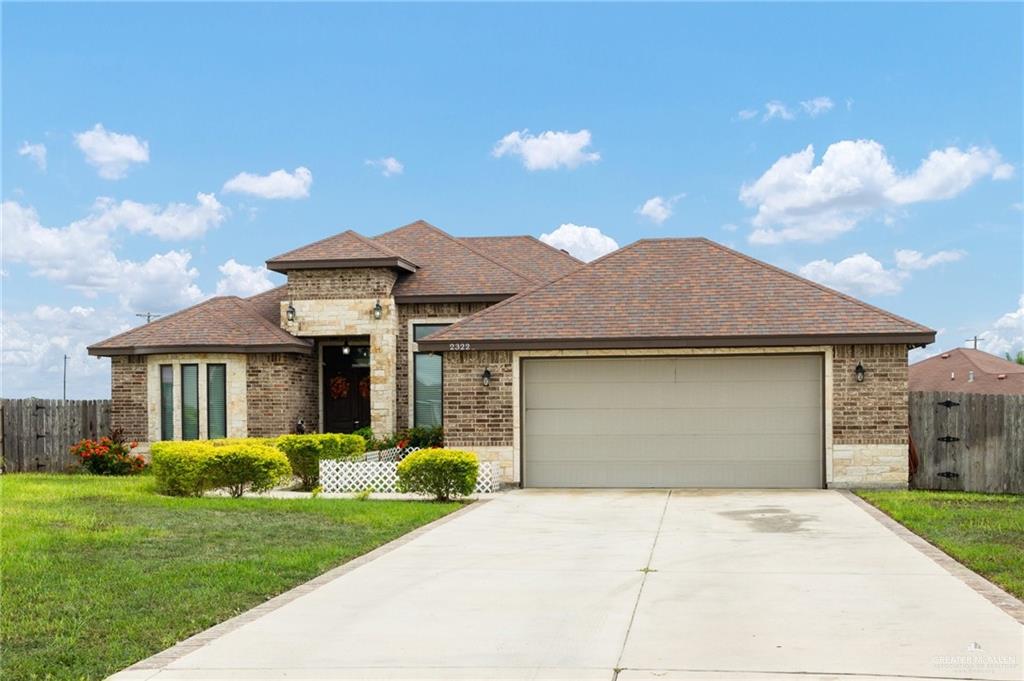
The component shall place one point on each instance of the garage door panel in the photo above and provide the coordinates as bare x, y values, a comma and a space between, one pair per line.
716, 421
671, 421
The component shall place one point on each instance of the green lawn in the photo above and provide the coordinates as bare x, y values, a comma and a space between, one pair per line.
98, 573
985, 532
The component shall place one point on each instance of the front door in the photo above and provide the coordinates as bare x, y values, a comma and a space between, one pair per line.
346, 377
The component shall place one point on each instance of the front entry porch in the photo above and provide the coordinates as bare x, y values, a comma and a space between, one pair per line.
344, 385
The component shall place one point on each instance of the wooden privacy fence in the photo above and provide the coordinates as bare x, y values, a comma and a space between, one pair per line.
38, 433
968, 442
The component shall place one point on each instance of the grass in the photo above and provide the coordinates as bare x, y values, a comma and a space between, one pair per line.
985, 532
98, 573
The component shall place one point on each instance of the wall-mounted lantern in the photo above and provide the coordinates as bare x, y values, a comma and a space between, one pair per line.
378, 311
486, 378
291, 313
346, 348
858, 373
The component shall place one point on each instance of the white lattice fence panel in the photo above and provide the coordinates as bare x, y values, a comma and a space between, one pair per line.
382, 476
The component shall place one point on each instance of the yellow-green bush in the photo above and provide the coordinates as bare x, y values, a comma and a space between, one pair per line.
247, 466
305, 452
194, 467
180, 467
443, 473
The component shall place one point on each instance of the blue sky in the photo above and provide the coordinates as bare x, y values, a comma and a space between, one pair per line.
875, 148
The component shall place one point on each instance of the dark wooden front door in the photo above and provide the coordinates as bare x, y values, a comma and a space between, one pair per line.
346, 388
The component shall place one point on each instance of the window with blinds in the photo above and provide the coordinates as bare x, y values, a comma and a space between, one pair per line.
216, 401
427, 405
166, 402
189, 401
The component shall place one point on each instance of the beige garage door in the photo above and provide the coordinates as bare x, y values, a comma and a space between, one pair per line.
739, 421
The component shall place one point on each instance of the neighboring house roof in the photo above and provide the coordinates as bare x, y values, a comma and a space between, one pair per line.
678, 293
221, 324
347, 249
450, 268
952, 372
526, 254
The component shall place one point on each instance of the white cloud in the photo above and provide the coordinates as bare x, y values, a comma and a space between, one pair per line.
389, 165
111, 153
279, 184
658, 209
797, 200
35, 152
243, 280
81, 256
915, 260
175, 221
548, 150
863, 275
1007, 333
586, 243
746, 114
817, 106
859, 273
776, 109
32, 355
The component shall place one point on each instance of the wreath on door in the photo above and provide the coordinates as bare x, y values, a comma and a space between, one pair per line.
339, 388
364, 387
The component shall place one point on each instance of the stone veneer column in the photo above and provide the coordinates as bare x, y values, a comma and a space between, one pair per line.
383, 389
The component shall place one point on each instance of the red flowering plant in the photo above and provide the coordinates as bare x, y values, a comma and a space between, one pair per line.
109, 455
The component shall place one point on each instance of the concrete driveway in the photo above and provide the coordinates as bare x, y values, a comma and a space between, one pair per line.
630, 585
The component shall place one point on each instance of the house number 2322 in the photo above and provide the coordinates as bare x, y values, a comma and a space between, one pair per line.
458, 347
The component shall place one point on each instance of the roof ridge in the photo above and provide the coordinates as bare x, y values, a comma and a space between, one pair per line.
815, 284
362, 239
459, 241
557, 250
263, 293
539, 287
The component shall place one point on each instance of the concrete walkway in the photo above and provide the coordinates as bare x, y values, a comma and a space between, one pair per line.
630, 585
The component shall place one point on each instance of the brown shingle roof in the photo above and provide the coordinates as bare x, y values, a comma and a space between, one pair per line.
347, 249
268, 303
951, 372
527, 255
678, 293
221, 324
449, 267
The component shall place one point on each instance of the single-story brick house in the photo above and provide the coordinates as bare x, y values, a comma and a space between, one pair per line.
668, 363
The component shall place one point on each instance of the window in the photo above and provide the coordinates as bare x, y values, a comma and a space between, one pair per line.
216, 401
427, 380
189, 401
166, 402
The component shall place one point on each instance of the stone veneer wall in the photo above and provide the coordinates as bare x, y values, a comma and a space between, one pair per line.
282, 388
870, 419
128, 395
418, 311
365, 282
237, 416
479, 418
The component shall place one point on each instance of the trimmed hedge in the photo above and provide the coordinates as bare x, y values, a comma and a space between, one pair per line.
443, 473
237, 465
305, 452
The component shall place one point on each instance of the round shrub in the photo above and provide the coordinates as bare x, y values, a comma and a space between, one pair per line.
179, 468
192, 468
109, 456
443, 473
246, 466
304, 452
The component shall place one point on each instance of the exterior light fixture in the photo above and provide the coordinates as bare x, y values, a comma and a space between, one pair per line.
346, 349
858, 373
486, 378
291, 313
378, 311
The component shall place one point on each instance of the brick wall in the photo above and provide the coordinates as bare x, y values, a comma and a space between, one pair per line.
875, 411
475, 415
281, 389
420, 311
367, 282
128, 396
